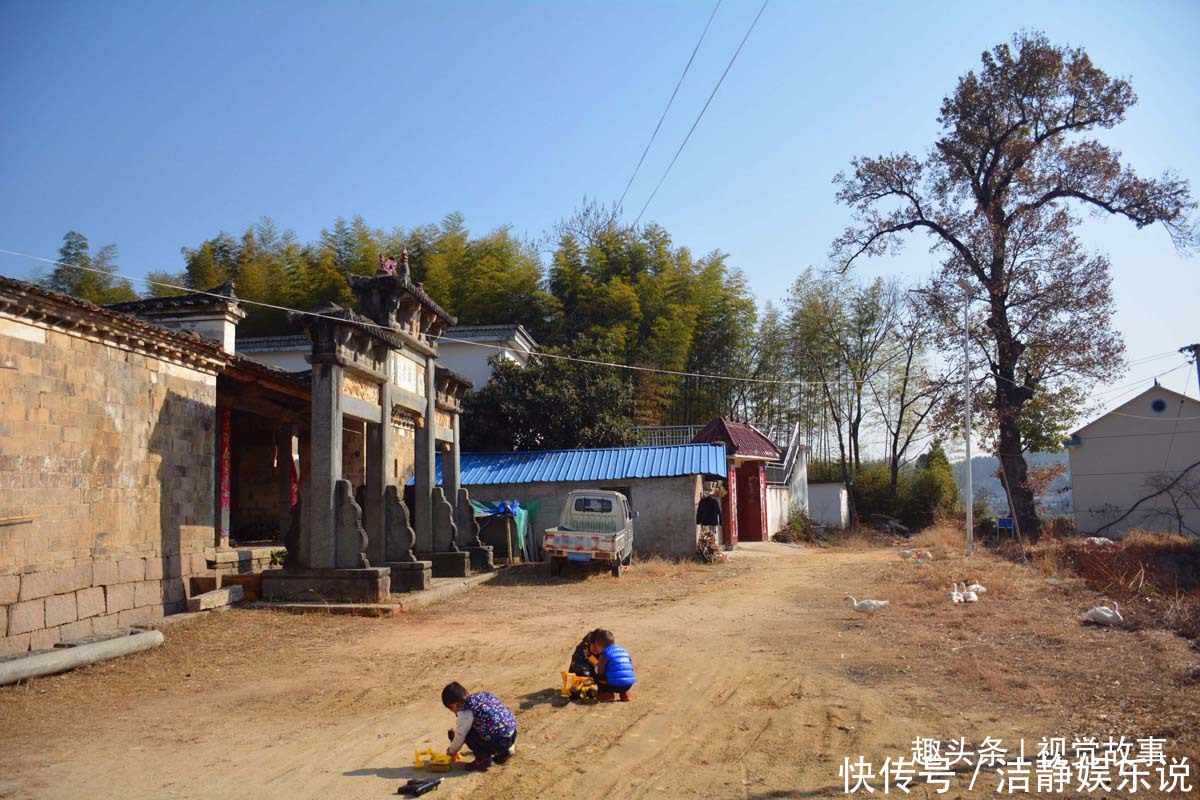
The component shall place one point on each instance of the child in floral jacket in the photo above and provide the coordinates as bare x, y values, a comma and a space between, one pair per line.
483, 723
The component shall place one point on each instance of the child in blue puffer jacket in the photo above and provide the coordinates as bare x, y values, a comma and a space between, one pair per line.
614, 672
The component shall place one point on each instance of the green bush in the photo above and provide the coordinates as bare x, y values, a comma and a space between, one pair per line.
931, 491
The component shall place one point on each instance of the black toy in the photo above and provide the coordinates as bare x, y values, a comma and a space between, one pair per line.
419, 786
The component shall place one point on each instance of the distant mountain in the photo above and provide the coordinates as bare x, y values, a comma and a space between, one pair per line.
986, 484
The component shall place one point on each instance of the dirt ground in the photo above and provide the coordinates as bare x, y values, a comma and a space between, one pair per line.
755, 681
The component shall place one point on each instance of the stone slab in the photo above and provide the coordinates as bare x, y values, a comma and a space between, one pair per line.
90, 602
37, 584
26, 617
217, 597
14, 645
205, 583
442, 590
131, 569
10, 589
44, 639
452, 564
60, 609
369, 585
410, 576
118, 597
105, 573
481, 557
251, 584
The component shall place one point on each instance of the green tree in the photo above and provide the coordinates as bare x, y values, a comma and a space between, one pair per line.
931, 490
550, 404
86, 276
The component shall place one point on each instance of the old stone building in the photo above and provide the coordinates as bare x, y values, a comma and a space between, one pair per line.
137, 451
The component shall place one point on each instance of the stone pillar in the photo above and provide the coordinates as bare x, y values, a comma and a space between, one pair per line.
426, 477
379, 456
450, 479
285, 446
452, 486
224, 475
326, 467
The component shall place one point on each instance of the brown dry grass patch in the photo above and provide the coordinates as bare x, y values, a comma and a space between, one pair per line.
1024, 647
1155, 576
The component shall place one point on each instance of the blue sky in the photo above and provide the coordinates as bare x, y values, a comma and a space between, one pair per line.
155, 125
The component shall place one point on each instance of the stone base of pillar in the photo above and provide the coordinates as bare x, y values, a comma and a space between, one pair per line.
410, 576
450, 564
369, 585
481, 558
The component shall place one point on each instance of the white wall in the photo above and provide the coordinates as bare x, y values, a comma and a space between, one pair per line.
288, 360
1117, 455
471, 361
829, 504
779, 504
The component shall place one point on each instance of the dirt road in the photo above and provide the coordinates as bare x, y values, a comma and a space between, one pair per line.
755, 680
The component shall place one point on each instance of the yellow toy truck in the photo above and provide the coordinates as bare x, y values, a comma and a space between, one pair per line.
578, 687
433, 761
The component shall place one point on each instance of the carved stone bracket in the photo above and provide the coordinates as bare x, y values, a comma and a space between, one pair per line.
400, 538
444, 529
350, 540
468, 527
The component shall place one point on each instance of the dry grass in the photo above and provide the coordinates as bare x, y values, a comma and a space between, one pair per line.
1156, 576
942, 540
859, 538
1025, 648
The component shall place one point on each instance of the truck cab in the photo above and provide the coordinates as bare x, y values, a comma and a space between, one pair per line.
595, 526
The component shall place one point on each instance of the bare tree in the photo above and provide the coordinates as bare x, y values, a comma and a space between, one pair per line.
914, 390
996, 193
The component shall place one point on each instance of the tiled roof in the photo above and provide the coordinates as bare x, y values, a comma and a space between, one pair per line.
270, 344
489, 333
743, 438
590, 464
203, 299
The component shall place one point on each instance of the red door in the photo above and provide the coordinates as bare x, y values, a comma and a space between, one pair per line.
750, 504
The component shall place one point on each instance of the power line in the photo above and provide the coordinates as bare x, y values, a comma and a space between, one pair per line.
669, 102
702, 110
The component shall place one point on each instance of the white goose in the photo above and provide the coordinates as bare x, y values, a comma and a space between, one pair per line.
968, 595
1103, 615
955, 596
907, 554
868, 607
975, 586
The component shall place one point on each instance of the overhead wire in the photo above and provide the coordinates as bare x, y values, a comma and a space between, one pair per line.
669, 102
444, 338
115, 273
700, 116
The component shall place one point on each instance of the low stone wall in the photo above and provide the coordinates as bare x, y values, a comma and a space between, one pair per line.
40, 609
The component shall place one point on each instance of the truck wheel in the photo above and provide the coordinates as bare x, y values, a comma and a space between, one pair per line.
556, 565
616, 568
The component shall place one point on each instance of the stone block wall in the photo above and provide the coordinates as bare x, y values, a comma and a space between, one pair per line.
39, 609
107, 459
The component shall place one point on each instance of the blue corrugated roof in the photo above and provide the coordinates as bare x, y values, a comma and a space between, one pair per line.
592, 464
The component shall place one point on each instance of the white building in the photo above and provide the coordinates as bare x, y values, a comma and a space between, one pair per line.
1130, 453
464, 350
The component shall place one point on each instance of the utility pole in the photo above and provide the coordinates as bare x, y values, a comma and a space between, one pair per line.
1194, 349
966, 287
